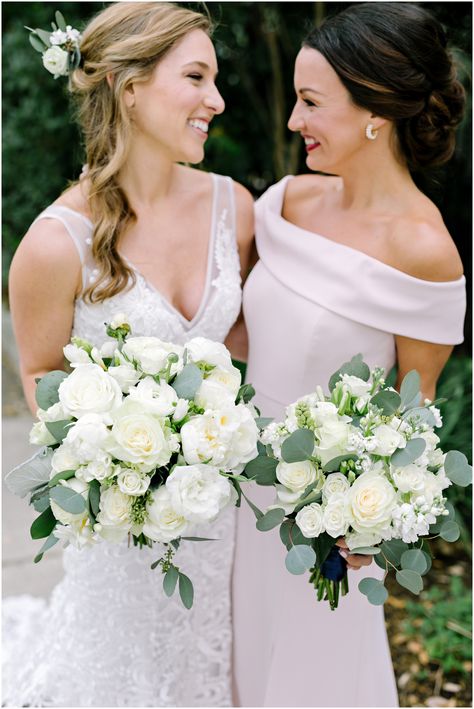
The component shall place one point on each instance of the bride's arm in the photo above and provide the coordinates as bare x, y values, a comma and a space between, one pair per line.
45, 277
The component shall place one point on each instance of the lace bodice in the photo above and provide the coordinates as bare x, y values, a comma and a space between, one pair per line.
109, 636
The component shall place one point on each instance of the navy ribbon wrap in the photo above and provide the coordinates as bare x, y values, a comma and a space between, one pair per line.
335, 566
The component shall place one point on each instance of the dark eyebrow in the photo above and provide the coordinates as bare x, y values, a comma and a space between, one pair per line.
311, 91
201, 64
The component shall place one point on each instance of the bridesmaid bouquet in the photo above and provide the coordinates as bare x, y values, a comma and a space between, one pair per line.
362, 464
143, 439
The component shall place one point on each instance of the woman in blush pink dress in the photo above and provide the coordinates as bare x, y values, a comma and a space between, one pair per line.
353, 260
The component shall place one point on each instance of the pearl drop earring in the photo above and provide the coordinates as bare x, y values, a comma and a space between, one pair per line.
370, 133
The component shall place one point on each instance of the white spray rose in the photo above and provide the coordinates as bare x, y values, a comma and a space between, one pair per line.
372, 499
152, 354
336, 515
40, 436
387, 440
310, 520
198, 492
297, 476
88, 389
68, 517
410, 478
132, 482
114, 514
335, 483
200, 349
163, 522
55, 60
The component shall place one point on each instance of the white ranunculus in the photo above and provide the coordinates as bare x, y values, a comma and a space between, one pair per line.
68, 517
132, 482
410, 478
335, 515
297, 476
89, 390
40, 436
163, 522
63, 459
332, 438
354, 540
139, 438
200, 349
119, 320
159, 399
55, 60
98, 469
219, 389
355, 385
125, 375
335, 483
76, 355
310, 520
151, 354
198, 492
87, 437
372, 499
387, 440
54, 413
114, 514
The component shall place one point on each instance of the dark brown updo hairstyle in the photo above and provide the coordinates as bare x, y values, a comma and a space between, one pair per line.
393, 60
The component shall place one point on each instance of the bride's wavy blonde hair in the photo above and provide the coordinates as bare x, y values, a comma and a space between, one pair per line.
124, 41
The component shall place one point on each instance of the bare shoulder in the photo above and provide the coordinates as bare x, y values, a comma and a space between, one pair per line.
244, 209
75, 197
303, 191
422, 247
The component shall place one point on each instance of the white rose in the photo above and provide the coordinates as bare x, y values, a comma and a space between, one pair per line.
54, 413
76, 355
139, 438
198, 492
387, 440
297, 476
159, 399
371, 501
286, 499
332, 438
410, 478
310, 520
163, 522
132, 482
55, 60
201, 349
355, 385
87, 437
354, 540
63, 459
125, 375
335, 515
40, 436
335, 483
88, 389
219, 389
114, 514
68, 517
152, 354
98, 469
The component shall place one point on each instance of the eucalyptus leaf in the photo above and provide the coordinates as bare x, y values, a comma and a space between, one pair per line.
37, 44
199, 539
94, 497
65, 475
170, 580
375, 591
457, 468
366, 550
245, 393
188, 381
388, 401
333, 465
262, 469
60, 21
59, 429
272, 518
393, 550
414, 560
47, 388
44, 36
40, 500
186, 590
367, 584
299, 559
404, 456
263, 421
50, 542
356, 368
420, 415
450, 531
285, 530
298, 446
410, 389
410, 580
258, 513
31, 474
428, 562
43, 525
68, 499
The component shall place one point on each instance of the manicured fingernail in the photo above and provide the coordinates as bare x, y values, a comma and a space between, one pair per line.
343, 553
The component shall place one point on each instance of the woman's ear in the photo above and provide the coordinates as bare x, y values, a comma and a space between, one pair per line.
377, 121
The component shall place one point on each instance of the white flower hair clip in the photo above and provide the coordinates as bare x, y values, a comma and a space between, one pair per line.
59, 48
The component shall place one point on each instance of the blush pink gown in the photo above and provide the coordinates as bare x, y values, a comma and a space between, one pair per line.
310, 304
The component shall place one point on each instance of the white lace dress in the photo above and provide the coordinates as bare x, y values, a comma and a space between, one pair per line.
109, 636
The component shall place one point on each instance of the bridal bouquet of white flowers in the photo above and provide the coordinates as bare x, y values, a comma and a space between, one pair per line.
362, 464
144, 439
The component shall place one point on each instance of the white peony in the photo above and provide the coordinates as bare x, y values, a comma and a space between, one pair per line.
200, 349
355, 385
335, 483
68, 517
88, 389
132, 482
335, 515
87, 437
372, 499
113, 520
198, 492
125, 375
151, 354
410, 478
163, 522
387, 440
40, 436
310, 520
297, 476
56, 61
219, 389
159, 399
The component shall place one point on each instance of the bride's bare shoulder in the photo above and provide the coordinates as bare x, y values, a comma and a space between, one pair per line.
75, 197
304, 189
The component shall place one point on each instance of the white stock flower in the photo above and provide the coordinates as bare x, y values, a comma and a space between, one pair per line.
310, 520
56, 60
200, 349
87, 390
87, 437
63, 459
335, 483
219, 389
362, 539
372, 499
113, 520
40, 436
297, 476
98, 469
139, 438
410, 478
198, 492
335, 515
151, 354
387, 440
132, 482
163, 522
76, 355
356, 386
68, 517
159, 399
125, 375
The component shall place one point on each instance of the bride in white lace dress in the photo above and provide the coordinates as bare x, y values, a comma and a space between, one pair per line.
160, 242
